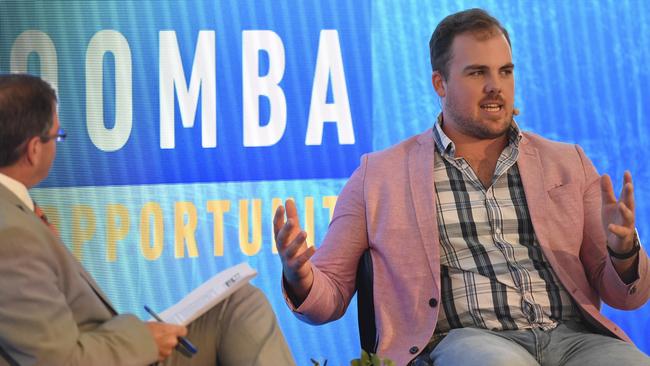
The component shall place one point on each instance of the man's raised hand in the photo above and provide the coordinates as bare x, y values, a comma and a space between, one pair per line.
294, 252
618, 215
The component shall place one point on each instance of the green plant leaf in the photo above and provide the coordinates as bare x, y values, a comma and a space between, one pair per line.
365, 358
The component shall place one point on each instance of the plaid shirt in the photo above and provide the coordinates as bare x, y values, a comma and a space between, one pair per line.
494, 274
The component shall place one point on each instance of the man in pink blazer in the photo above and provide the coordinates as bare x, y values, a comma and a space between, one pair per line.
490, 246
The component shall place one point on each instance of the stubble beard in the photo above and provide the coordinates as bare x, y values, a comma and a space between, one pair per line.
473, 127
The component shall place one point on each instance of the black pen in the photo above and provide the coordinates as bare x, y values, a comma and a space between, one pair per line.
185, 347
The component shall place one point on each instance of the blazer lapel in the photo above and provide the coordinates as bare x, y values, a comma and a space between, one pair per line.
533, 180
420, 165
6, 194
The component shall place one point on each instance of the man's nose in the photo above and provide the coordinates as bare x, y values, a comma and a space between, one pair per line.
492, 85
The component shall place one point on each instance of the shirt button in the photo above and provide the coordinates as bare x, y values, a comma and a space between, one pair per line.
433, 302
413, 350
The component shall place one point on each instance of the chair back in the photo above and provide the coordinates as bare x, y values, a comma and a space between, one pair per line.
366, 304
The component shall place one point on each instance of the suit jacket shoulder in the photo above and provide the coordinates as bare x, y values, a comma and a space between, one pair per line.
51, 314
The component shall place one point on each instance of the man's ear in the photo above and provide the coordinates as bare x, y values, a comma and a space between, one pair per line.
33, 150
438, 82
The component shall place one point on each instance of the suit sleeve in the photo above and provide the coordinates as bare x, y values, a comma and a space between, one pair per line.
37, 326
598, 266
335, 262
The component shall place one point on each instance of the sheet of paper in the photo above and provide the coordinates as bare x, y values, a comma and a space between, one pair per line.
208, 294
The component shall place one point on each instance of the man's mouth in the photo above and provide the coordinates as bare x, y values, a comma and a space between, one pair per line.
492, 107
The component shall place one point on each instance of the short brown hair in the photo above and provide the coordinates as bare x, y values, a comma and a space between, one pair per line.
471, 20
26, 109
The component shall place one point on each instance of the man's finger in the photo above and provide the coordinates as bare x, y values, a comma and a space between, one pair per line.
627, 214
627, 177
627, 195
282, 239
627, 181
182, 331
172, 341
292, 211
607, 189
278, 220
620, 231
305, 256
295, 245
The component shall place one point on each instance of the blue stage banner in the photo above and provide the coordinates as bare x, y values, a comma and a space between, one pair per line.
200, 91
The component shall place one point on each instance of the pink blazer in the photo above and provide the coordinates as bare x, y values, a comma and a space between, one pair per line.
388, 206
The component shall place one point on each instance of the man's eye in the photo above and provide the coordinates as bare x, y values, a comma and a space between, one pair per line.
506, 72
476, 73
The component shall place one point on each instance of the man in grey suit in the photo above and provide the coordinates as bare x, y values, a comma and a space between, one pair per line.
51, 310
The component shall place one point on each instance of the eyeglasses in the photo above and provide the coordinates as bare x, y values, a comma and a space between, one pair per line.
58, 137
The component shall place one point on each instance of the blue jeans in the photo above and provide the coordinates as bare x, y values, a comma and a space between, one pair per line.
570, 344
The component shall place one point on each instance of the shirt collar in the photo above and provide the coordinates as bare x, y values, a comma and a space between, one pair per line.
447, 147
18, 189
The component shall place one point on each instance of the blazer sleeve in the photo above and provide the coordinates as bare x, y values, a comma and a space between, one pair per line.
598, 266
37, 326
335, 263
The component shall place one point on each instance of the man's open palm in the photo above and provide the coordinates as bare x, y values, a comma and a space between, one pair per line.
618, 215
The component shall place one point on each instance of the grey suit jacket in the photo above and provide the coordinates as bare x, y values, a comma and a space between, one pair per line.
51, 310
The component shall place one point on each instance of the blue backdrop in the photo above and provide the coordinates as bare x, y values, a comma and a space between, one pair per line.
190, 121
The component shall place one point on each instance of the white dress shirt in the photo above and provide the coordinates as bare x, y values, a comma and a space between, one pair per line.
18, 189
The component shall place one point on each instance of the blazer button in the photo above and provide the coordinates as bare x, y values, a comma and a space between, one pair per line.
413, 350
433, 302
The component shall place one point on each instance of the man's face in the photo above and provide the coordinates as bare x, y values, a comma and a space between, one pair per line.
48, 149
479, 89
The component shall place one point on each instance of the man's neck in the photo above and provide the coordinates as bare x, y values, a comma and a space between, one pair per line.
18, 173
481, 154
479, 150
470, 147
